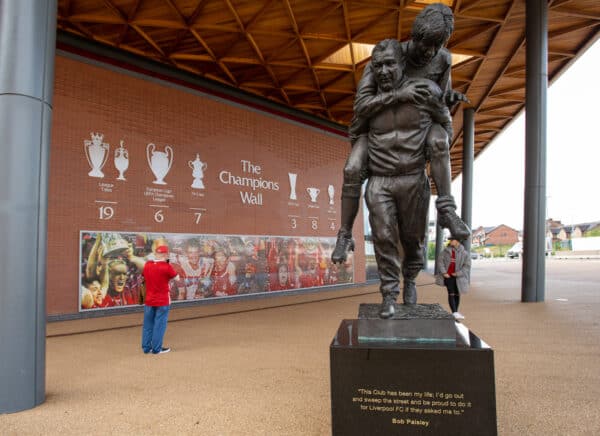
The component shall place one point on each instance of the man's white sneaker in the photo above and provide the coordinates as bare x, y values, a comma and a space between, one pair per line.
458, 315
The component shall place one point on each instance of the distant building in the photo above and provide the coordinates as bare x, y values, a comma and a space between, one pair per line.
560, 232
431, 229
577, 231
585, 229
498, 235
561, 235
557, 231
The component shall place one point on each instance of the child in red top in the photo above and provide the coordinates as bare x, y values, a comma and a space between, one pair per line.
454, 271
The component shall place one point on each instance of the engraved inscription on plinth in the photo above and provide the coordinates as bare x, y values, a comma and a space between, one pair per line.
405, 388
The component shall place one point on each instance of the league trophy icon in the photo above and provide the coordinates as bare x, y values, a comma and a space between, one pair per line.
198, 168
160, 162
96, 153
292, 178
314, 193
121, 161
330, 192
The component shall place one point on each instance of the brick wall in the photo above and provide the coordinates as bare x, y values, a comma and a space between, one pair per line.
235, 143
502, 235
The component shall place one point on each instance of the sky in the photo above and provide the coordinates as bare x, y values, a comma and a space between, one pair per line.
573, 156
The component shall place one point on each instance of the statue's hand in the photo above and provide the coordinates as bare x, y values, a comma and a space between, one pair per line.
452, 97
414, 93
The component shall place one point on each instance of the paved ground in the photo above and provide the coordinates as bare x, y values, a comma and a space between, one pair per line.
266, 372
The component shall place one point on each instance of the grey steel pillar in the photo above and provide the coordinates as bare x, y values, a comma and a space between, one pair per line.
467, 170
27, 48
439, 242
534, 261
426, 246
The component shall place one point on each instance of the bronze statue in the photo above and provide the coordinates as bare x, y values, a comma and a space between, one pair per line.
401, 122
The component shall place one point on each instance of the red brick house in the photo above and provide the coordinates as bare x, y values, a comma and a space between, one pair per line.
499, 235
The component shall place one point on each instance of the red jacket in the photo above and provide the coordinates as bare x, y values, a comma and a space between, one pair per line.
157, 276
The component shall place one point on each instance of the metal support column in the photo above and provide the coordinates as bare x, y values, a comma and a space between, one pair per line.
27, 48
439, 244
534, 261
467, 170
426, 247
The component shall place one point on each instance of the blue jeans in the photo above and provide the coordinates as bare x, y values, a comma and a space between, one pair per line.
155, 325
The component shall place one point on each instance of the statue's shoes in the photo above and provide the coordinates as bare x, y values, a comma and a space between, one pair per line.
409, 292
387, 307
343, 245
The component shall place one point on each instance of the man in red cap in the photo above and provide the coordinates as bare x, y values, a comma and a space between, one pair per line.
157, 274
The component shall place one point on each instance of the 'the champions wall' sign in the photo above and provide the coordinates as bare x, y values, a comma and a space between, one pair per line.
209, 266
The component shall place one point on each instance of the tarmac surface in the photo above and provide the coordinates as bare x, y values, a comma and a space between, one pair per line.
265, 371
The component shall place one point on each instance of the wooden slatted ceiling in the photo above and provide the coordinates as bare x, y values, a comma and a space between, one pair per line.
306, 54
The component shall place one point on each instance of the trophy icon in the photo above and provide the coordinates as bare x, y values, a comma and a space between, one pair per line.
198, 168
314, 193
114, 245
160, 162
330, 192
292, 178
121, 161
96, 153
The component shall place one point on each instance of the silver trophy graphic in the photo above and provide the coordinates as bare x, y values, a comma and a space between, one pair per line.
331, 192
114, 245
198, 168
313, 193
160, 162
292, 178
96, 153
121, 161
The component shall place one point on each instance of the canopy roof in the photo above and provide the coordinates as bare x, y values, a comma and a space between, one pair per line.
309, 54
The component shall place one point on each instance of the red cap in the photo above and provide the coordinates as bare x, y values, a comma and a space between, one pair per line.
162, 249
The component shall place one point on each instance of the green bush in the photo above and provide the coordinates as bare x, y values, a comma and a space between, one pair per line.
492, 250
591, 233
431, 251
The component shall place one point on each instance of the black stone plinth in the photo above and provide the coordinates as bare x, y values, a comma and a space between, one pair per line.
410, 389
419, 324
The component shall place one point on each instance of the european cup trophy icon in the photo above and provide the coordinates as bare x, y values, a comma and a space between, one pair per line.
292, 178
96, 153
121, 161
160, 162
